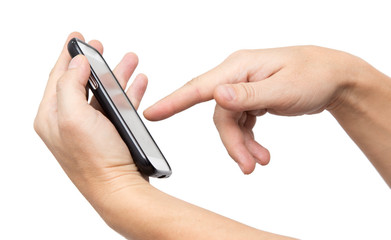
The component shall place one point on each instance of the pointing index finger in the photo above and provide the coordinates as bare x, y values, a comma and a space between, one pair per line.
199, 89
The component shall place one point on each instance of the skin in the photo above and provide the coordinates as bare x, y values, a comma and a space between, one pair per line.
290, 81
249, 83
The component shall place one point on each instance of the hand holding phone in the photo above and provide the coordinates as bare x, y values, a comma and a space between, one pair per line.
118, 108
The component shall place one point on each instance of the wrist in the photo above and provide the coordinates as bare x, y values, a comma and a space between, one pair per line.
106, 191
136, 211
116, 204
355, 81
363, 110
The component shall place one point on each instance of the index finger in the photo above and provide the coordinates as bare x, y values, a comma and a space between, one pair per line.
199, 89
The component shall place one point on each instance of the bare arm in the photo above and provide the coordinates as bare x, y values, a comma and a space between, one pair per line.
147, 213
364, 111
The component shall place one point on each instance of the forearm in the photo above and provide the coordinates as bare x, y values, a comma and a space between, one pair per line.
147, 213
364, 111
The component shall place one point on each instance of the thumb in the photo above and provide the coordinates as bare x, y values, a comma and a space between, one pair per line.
247, 96
71, 87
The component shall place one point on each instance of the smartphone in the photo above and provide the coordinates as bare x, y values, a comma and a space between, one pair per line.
118, 108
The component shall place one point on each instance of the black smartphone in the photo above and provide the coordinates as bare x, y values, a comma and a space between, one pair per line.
118, 108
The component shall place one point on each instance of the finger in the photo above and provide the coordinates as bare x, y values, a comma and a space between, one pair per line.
233, 138
137, 89
124, 70
71, 87
249, 96
97, 45
198, 90
259, 153
59, 68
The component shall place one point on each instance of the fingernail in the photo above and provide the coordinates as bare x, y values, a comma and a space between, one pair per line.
75, 62
228, 93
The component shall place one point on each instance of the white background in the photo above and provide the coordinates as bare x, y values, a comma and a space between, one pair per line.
318, 184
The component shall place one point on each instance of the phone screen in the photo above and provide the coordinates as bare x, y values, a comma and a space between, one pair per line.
124, 107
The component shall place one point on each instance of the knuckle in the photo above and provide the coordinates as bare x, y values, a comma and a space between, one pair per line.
311, 48
38, 124
192, 84
307, 52
239, 57
41, 120
238, 54
246, 92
